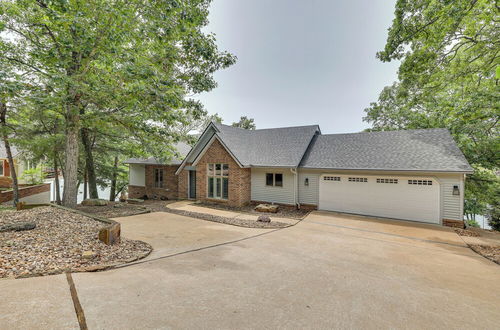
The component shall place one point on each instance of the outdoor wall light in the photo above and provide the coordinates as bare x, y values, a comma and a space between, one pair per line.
306, 182
456, 191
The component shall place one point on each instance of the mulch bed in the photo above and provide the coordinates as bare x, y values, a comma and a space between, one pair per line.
57, 243
487, 251
283, 211
231, 221
116, 209
124, 209
465, 232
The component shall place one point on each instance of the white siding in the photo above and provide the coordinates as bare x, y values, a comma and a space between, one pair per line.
137, 175
261, 192
308, 194
452, 207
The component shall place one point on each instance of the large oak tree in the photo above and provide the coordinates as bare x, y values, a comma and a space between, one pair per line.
126, 66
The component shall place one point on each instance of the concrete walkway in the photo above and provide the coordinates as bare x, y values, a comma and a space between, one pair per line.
191, 206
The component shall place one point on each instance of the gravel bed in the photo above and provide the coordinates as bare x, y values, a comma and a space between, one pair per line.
125, 209
57, 243
283, 211
230, 221
115, 209
465, 232
487, 251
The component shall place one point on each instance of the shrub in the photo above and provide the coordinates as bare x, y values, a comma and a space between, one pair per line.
33, 176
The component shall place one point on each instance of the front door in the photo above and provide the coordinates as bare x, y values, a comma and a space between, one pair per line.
192, 184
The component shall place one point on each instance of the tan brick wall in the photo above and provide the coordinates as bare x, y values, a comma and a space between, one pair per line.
239, 178
453, 223
136, 191
183, 178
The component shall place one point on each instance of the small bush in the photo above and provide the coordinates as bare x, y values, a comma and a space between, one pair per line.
33, 176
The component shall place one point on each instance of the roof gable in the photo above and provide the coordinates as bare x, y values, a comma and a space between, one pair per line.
281, 147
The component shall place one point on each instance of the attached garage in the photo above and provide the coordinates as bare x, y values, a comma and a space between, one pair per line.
399, 197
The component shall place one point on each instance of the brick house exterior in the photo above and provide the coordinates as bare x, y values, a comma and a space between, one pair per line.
183, 184
239, 178
301, 167
169, 190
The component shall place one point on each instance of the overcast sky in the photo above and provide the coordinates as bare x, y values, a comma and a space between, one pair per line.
300, 62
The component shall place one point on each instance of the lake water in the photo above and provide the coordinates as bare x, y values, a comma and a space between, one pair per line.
103, 193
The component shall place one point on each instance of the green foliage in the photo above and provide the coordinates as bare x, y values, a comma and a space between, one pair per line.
493, 213
245, 122
472, 223
33, 176
447, 78
123, 71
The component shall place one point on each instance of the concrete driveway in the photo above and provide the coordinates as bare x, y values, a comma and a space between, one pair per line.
328, 271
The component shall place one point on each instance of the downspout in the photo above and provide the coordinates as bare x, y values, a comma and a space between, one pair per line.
296, 187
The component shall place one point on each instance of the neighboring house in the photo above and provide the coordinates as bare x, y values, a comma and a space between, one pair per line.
5, 172
30, 194
412, 175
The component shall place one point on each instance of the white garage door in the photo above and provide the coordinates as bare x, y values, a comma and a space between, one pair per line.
409, 198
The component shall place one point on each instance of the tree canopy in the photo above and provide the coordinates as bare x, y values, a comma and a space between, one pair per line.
448, 77
245, 122
105, 75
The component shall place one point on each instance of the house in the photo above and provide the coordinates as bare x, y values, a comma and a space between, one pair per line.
413, 175
154, 178
5, 172
28, 193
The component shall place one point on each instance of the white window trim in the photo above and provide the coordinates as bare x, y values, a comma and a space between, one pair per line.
162, 178
222, 177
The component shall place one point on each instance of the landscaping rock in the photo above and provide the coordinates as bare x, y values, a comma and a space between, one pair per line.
264, 218
95, 202
135, 201
57, 244
267, 208
88, 255
17, 226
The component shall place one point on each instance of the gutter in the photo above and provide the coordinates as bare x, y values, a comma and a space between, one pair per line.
296, 187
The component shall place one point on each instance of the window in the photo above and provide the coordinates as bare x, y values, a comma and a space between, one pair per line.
269, 179
331, 178
218, 181
395, 181
274, 179
158, 178
358, 179
420, 182
1, 167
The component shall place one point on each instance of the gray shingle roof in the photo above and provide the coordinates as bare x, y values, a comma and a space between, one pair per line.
181, 147
418, 150
282, 147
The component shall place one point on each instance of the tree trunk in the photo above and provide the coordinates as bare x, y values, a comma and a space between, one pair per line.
56, 180
89, 164
112, 192
70, 192
85, 194
5, 136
